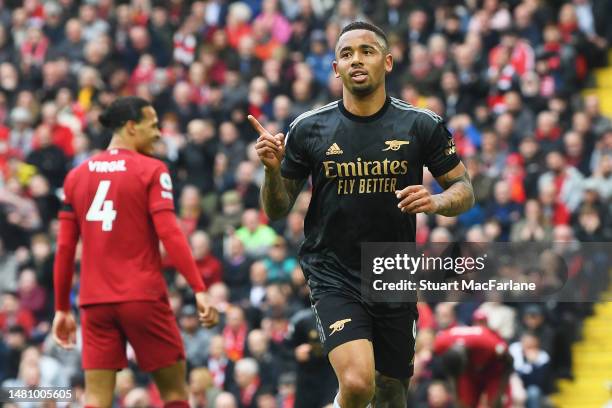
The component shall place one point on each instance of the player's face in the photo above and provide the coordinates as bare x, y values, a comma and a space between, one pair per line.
361, 62
147, 131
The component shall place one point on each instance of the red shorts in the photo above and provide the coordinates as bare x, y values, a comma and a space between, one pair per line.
472, 386
149, 326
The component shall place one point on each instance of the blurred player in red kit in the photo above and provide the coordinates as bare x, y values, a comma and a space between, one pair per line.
477, 361
120, 203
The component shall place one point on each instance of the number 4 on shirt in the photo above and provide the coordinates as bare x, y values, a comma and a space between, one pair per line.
101, 209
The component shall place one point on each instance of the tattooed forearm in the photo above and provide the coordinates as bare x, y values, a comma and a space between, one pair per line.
458, 195
278, 194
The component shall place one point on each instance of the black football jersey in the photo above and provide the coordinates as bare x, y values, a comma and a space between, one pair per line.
357, 164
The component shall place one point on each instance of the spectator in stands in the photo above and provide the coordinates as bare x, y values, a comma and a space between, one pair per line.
22, 135
195, 338
533, 321
196, 159
504, 209
48, 158
221, 368
209, 266
256, 237
278, 263
8, 270
6, 46
533, 227
15, 338
566, 179
12, 313
575, 151
533, 366
47, 203
42, 260
235, 333
230, 217
231, 145
497, 316
225, 400
320, 57
244, 184
258, 276
268, 363
202, 392
248, 383
492, 155
236, 266
191, 214
438, 395
445, 315
294, 232
32, 296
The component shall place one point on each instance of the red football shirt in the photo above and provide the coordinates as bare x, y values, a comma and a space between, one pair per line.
112, 196
483, 345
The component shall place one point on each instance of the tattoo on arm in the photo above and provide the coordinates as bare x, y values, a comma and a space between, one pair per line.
458, 195
278, 194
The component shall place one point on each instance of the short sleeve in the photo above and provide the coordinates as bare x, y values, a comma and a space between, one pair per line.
160, 190
440, 152
67, 208
295, 163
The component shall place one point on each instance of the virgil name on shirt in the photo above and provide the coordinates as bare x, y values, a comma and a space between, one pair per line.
357, 163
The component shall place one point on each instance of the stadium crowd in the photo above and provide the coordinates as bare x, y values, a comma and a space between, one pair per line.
506, 76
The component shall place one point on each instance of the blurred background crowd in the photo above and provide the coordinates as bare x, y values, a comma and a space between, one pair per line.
505, 75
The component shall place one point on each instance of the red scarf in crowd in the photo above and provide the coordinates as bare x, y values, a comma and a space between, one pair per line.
235, 341
247, 394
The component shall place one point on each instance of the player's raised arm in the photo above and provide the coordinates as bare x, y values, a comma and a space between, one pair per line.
278, 194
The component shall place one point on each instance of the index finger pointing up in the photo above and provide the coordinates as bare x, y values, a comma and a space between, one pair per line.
255, 123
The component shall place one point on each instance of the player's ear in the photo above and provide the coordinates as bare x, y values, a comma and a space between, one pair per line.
335, 68
388, 63
130, 127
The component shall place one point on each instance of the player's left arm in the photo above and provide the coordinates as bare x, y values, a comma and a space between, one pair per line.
458, 194
440, 156
457, 197
64, 324
161, 210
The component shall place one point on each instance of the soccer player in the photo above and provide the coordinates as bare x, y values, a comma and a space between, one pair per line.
366, 154
120, 203
478, 362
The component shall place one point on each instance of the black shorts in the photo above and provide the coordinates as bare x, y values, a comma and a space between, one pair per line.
392, 331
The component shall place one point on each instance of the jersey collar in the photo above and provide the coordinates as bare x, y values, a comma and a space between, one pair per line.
364, 119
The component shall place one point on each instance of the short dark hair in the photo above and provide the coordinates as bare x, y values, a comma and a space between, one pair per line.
121, 110
364, 25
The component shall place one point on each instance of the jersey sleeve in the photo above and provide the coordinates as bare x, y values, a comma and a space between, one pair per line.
160, 190
295, 163
440, 152
67, 208
68, 237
